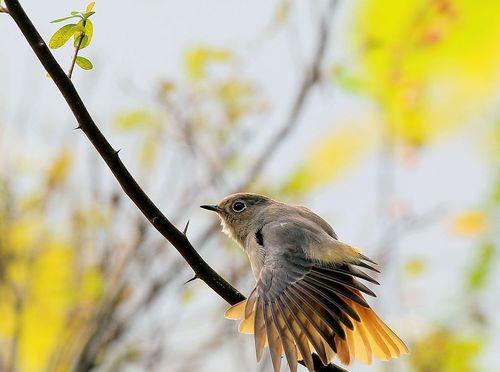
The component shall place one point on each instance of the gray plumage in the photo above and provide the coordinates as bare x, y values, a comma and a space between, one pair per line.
307, 297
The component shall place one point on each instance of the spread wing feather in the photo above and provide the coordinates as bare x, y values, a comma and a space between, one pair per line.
296, 331
300, 306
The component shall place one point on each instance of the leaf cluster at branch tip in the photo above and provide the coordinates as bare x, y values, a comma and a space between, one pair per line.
81, 32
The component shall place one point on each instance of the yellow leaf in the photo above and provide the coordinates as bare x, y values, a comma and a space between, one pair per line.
148, 152
470, 223
32, 202
414, 267
187, 295
56, 293
59, 169
7, 314
197, 59
22, 235
282, 12
447, 350
330, 156
47, 301
233, 89
92, 285
235, 96
137, 118
90, 7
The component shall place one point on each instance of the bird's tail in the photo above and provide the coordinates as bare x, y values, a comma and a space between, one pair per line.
369, 336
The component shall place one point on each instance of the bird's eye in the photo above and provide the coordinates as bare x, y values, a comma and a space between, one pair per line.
239, 206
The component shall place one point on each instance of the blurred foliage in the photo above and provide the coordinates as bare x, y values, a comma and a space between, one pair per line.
328, 158
482, 266
47, 290
429, 63
148, 123
221, 103
415, 267
470, 223
198, 59
445, 350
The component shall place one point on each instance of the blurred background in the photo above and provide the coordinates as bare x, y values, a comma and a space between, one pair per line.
381, 116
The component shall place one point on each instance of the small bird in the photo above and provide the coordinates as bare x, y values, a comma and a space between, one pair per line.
308, 297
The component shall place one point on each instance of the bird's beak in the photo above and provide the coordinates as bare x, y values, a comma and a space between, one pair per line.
214, 208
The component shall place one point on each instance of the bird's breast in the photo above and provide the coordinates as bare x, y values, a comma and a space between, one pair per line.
256, 255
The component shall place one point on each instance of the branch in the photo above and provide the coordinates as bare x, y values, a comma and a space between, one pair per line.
112, 159
129, 185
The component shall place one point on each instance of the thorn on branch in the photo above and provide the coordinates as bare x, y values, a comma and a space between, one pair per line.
186, 228
78, 127
193, 278
117, 152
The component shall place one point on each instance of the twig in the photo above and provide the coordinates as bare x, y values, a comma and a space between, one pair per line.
121, 173
77, 49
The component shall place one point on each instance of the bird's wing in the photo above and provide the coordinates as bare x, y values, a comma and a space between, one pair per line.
302, 305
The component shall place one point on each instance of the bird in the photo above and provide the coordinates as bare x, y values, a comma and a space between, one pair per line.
309, 295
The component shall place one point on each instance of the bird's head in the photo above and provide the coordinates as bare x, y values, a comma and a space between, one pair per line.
239, 213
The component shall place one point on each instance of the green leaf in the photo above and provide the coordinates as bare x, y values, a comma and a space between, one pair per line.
65, 18
74, 12
87, 38
88, 15
482, 267
61, 36
84, 63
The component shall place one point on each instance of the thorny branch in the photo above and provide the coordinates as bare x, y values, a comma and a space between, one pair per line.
112, 159
121, 173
